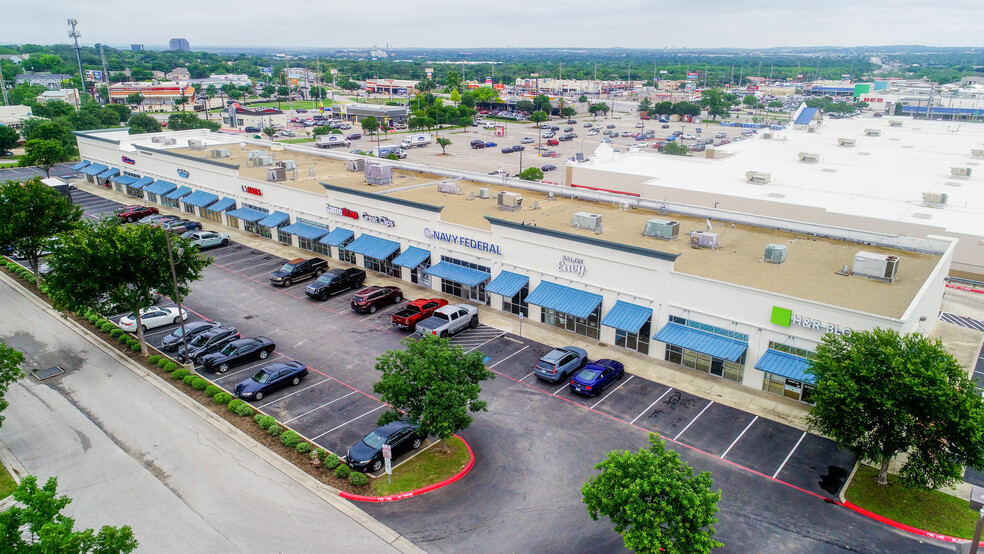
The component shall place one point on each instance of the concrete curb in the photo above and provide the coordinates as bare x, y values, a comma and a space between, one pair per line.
326, 493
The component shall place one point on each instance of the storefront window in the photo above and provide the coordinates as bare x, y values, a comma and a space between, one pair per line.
314, 246
635, 341
189, 209
212, 215
232, 221
137, 193
151, 197
588, 327
517, 304
285, 238
386, 266
169, 202
789, 388
344, 254
732, 371
476, 293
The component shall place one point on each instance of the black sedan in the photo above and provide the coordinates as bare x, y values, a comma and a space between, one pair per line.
237, 352
367, 454
208, 341
548, 167
271, 378
171, 342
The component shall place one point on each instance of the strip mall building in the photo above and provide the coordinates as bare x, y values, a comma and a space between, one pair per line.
743, 302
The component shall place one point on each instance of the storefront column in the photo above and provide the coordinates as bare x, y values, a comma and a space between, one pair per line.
405, 273
607, 334
436, 283
535, 312
495, 301
360, 261
753, 377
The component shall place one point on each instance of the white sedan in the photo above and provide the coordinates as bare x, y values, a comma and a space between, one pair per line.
151, 318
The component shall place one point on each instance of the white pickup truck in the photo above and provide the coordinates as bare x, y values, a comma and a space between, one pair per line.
448, 320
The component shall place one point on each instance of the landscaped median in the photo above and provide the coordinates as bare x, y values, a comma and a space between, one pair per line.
427, 470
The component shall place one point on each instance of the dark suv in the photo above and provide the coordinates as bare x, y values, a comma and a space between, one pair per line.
371, 299
207, 342
335, 281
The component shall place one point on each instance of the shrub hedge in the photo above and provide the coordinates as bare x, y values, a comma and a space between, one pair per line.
245, 410
155, 359
212, 390
116, 333
332, 460
290, 439
303, 447
265, 421
222, 398
107, 326
199, 383
358, 479
342, 471
179, 373
234, 404
190, 378
135, 346
274, 430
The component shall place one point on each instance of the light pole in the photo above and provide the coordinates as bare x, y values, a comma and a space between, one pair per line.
521, 159
177, 294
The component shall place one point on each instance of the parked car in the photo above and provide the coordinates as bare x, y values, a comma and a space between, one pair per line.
499, 173
610, 126
417, 311
478, 144
588, 125
287, 133
207, 342
491, 144
151, 318
334, 281
597, 376
181, 226
271, 378
664, 126
162, 220
572, 122
720, 134
509, 150
172, 342
206, 239
237, 352
558, 364
354, 136
550, 154
367, 454
449, 320
130, 214
527, 140
568, 129
553, 142
252, 129
297, 270
640, 125
548, 167
371, 299
549, 135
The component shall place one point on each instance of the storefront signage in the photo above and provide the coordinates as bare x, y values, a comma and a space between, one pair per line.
130, 161
343, 212
183, 173
786, 318
872, 99
571, 264
467, 242
379, 219
252, 190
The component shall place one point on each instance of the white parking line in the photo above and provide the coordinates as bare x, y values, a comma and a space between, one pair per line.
613, 390
293, 393
249, 367
651, 405
525, 376
509, 356
319, 407
484, 343
742, 434
560, 389
693, 420
783, 464
381, 406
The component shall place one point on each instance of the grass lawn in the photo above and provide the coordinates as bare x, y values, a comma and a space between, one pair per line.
7, 483
426, 468
928, 510
298, 140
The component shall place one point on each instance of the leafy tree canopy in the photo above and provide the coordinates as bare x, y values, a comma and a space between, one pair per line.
44, 154
31, 214
142, 123
10, 371
531, 174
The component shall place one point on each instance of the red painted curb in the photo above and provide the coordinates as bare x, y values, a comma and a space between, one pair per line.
902, 526
969, 289
418, 492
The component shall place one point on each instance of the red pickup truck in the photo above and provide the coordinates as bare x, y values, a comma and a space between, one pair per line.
416, 311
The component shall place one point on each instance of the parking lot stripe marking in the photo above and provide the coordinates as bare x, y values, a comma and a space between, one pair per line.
524, 376
484, 343
651, 405
783, 464
293, 393
319, 407
380, 407
738, 438
693, 420
613, 390
509, 356
560, 389
247, 368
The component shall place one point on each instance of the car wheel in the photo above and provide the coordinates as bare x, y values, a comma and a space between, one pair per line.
129, 219
474, 322
323, 297
144, 327
258, 396
225, 242
177, 319
223, 368
444, 334
416, 443
287, 282
398, 299
377, 465
264, 354
372, 309
296, 381
318, 273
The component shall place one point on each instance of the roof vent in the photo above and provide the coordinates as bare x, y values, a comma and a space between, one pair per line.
775, 253
758, 177
276, 174
873, 132
661, 229
876, 266
960, 172
846, 142
356, 164
894, 123
809, 157
484, 193
511, 201
934, 199
585, 220
259, 161
703, 239
196, 144
977, 152
219, 153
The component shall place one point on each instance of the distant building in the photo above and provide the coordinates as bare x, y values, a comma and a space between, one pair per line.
15, 116
136, 47
16, 58
238, 117
47, 80
67, 95
179, 74
238, 79
400, 87
158, 96
179, 44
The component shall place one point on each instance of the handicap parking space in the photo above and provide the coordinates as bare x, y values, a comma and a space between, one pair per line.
672, 413
716, 429
818, 465
765, 446
474, 339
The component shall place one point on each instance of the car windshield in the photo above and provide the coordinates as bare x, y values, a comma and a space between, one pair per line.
326, 278
588, 374
229, 349
261, 376
288, 268
200, 340
374, 440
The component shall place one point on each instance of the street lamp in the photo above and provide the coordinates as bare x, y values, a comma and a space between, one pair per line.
521, 159
177, 294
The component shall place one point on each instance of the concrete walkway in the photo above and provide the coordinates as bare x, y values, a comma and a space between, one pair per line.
131, 450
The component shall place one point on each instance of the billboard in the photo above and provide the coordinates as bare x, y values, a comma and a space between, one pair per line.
266, 70
691, 76
93, 75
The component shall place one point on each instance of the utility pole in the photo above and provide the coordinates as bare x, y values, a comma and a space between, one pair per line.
290, 93
105, 75
78, 57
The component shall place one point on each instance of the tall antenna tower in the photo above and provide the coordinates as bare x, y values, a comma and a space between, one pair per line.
105, 74
78, 57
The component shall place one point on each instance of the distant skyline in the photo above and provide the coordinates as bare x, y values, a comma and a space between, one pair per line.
503, 24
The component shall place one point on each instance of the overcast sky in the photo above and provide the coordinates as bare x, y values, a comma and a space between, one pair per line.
499, 23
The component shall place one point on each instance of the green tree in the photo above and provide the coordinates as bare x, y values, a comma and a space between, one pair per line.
432, 383
674, 148
31, 214
599, 107
126, 262
181, 101
713, 100
268, 91
8, 138
282, 92
370, 125
525, 106
443, 142
881, 394
539, 117
121, 109
486, 95
189, 120
468, 99
44, 154
317, 93
567, 112
135, 99
10, 362
142, 123
531, 174
685, 108
654, 500
582, 99
140, 74
322, 130
36, 128
775, 104
646, 105
37, 525
452, 80
542, 102
269, 132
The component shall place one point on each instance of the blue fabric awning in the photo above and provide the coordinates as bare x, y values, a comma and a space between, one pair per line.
337, 237
123, 179
80, 165
577, 303
701, 341
507, 284
787, 365
412, 257
200, 199
178, 193
373, 247
276, 219
141, 183
161, 187
223, 205
248, 214
458, 274
627, 317
305, 231
110, 172
94, 169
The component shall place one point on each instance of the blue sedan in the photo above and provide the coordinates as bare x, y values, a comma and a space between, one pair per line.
596, 376
271, 378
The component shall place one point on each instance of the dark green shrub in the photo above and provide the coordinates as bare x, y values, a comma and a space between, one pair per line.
274, 430
100, 322
199, 383
135, 346
154, 359
342, 471
179, 373
234, 404
190, 378
322, 454
108, 327
92, 318
332, 461
122, 338
358, 479
303, 447
244, 410
116, 333
265, 421
222, 398
212, 390
163, 362
290, 439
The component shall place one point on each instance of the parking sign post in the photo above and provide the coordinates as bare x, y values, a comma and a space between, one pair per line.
387, 458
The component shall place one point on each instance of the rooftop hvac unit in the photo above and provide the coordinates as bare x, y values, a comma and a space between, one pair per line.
585, 220
934, 198
358, 164
775, 253
767, 136
277, 147
378, 174
809, 157
484, 193
157, 139
846, 142
873, 132
310, 171
510, 201
276, 174
661, 229
219, 153
196, 144
289, 165
168, 141
977, 152
256, 153
758, 177
703, 239
960, 171
448, 188
894, 123
875, 266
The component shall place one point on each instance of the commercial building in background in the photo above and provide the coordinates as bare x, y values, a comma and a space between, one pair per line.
158, 95
386, 115
235, 116
179, 44
15, 116
396, 87
44, 79
742, 300
67, 95
136, 47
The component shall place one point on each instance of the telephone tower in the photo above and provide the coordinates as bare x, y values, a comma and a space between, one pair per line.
78, 57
